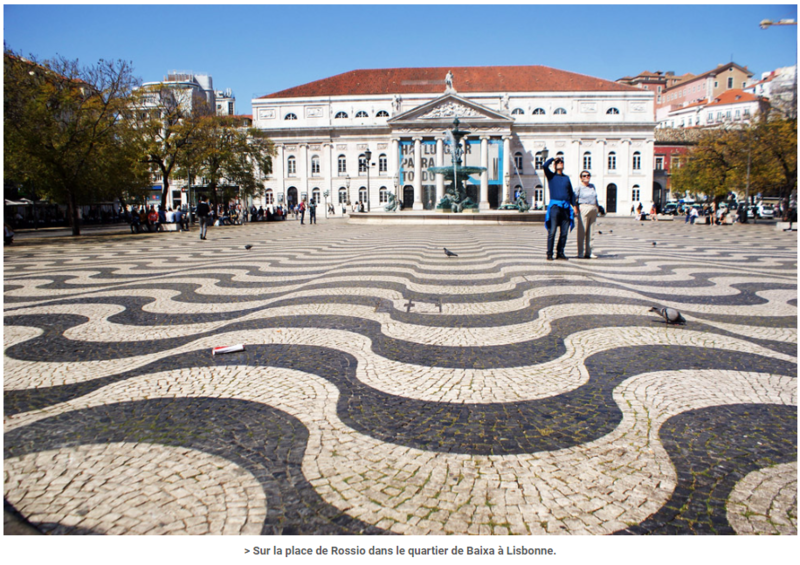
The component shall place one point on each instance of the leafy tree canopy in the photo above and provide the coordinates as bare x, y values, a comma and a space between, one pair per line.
63, 134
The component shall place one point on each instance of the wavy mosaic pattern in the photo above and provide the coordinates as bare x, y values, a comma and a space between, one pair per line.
388, 389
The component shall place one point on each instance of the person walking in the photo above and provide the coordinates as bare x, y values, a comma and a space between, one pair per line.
312, 211
202, 215
559, 215
586, 208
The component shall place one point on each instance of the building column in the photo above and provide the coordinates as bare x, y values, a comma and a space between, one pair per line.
394, 165
328, 151
303, 170
484, 196
599, 164
624, 167
417, 174
280, 174
439, 176
506, 169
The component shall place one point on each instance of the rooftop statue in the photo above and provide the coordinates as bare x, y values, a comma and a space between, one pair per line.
448, 82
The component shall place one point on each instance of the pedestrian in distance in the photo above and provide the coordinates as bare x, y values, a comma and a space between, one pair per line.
312, 211
301, 210
203, 216
559, 216
152, 219
586, 209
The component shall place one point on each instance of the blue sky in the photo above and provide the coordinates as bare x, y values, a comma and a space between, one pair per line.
260, 49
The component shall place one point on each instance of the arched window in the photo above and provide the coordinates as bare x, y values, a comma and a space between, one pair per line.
290, 116
637, 161
362, 194
538, 161
383, 163
587, 161
612, 111
269, 197
342, 164
315, 195
636, 195
384, 195
539, 112
517, 112
382, 114
560, 112
518, 161
362, 164
340, 115
342, 195
315, 165
362, 114
291, 166
612, 161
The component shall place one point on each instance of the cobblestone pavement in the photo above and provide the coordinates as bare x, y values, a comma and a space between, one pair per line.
388, 389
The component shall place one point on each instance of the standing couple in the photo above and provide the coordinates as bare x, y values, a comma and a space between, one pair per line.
565, 204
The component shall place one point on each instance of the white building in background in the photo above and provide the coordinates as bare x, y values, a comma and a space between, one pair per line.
732, 107
226, 102
322, 131
187, 90
186, 87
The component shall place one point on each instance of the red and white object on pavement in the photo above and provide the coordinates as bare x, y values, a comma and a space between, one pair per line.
228, 349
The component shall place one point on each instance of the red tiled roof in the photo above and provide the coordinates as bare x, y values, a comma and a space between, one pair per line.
533, 78
734, 96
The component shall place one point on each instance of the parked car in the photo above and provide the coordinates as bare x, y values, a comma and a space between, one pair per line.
766, 211
671, 209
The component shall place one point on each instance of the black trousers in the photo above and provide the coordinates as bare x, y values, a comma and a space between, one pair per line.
559, 219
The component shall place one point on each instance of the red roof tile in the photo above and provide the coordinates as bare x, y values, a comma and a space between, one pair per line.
732, 96
533, 78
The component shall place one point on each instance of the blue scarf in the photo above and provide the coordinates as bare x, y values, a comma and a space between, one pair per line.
560, 204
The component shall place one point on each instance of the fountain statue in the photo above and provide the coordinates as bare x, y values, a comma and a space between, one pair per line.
455, 198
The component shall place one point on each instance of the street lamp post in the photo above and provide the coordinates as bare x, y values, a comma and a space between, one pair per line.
396, 184
347, 185
545, 154
368, 157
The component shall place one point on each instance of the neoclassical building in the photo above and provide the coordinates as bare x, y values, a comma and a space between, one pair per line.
324, 130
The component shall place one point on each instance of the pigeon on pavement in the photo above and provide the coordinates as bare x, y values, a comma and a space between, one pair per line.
248, 246
670, 315
449, 253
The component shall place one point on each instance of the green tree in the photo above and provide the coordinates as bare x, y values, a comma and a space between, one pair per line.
167, 119
230, 157
63, 133
760, 157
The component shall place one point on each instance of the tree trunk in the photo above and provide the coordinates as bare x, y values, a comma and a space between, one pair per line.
73, 214
165, 192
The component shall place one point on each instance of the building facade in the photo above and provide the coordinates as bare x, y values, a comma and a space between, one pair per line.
324, 131
706, 86
734, 107
657, 82
226, 102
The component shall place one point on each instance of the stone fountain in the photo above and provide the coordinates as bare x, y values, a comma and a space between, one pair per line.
455, 198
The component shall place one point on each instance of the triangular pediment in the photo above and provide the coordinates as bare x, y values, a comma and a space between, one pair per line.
447, 108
